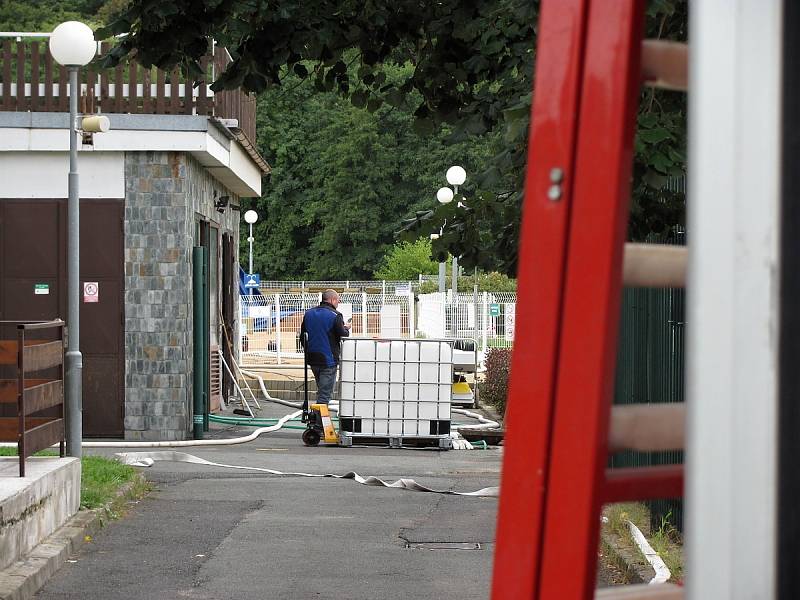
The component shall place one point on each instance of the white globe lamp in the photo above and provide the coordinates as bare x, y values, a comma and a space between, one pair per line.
456, 175
444, 195
72, 44
251, 217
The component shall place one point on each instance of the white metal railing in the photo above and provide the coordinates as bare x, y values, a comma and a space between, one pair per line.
270, 331
491, 322
368, 286
270, 323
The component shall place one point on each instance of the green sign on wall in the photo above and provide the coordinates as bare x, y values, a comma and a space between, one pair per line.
494, 310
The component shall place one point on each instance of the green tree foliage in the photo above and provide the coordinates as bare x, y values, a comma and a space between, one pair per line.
44, 15
472, 69
343, 178
406, 260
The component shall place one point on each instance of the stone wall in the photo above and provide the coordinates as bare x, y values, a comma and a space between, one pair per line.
166, 193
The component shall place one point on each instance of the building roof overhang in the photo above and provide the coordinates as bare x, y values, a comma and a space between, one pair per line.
225, 152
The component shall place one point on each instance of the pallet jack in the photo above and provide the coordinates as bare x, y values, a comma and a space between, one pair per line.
317, 417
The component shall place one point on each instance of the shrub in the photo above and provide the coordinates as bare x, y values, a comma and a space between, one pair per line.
487, 282
494, 387
406, 260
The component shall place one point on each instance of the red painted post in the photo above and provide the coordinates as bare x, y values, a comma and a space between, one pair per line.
540, 281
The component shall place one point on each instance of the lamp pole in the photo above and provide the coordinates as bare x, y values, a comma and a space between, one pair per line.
456, 176
251, 217
72, 44
74, 358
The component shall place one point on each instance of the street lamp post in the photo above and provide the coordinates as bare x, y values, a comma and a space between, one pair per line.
251, 217
444, 195
456, 176
72, 45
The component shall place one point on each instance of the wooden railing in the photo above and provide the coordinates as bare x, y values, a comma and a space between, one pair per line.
30, 80
33, 395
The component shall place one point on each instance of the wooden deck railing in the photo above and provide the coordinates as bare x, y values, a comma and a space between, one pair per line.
33, 395
30, 80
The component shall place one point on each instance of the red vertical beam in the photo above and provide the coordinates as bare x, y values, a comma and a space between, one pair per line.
540, 281
589, 326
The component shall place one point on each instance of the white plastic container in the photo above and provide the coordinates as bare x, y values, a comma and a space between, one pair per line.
395, 388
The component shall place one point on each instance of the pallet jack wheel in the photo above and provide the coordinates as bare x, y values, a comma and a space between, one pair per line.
311, 437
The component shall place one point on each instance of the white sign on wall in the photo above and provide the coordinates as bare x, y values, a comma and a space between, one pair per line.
91, 291
346, 308
260, 312
390, 321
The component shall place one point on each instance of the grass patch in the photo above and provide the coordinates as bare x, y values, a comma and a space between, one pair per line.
4, 451
101, 480
666, 540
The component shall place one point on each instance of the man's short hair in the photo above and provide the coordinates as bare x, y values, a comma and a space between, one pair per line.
329, 295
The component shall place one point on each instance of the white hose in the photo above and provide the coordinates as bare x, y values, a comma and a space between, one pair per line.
484, 422
266, 393
185, 443
146, 459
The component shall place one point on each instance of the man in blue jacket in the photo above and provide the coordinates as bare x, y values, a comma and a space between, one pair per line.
325, 328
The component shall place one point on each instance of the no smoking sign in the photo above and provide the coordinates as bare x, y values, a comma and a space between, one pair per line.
91, 291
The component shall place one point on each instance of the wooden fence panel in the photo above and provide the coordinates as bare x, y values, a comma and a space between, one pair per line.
43, 396
7, 75
160, 104
34, 97
22, 101
133, 91
8, 388
42, 436
174, 92
119, 87
49, 100
42, 356
63, 79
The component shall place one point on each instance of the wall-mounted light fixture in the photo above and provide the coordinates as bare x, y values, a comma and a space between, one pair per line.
221, 203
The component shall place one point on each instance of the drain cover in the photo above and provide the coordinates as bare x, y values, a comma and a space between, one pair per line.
444, 546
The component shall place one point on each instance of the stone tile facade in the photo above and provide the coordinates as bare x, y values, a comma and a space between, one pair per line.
166, 194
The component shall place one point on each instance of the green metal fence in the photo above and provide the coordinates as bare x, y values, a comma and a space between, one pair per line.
650, 369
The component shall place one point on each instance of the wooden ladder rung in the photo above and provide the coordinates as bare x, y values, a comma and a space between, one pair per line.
663, 591
655, 265
665, 64
647, 427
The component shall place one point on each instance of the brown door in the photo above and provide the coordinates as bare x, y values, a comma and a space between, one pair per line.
33, 279
102, 339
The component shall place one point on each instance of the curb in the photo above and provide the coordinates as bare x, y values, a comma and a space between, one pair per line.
490, 411
636, 570
22, 579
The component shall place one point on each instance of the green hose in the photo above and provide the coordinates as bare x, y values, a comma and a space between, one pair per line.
253, 422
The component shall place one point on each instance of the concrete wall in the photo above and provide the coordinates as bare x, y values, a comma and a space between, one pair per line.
34, 506
166, 194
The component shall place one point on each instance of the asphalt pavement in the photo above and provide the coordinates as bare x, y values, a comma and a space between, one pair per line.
216, 533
